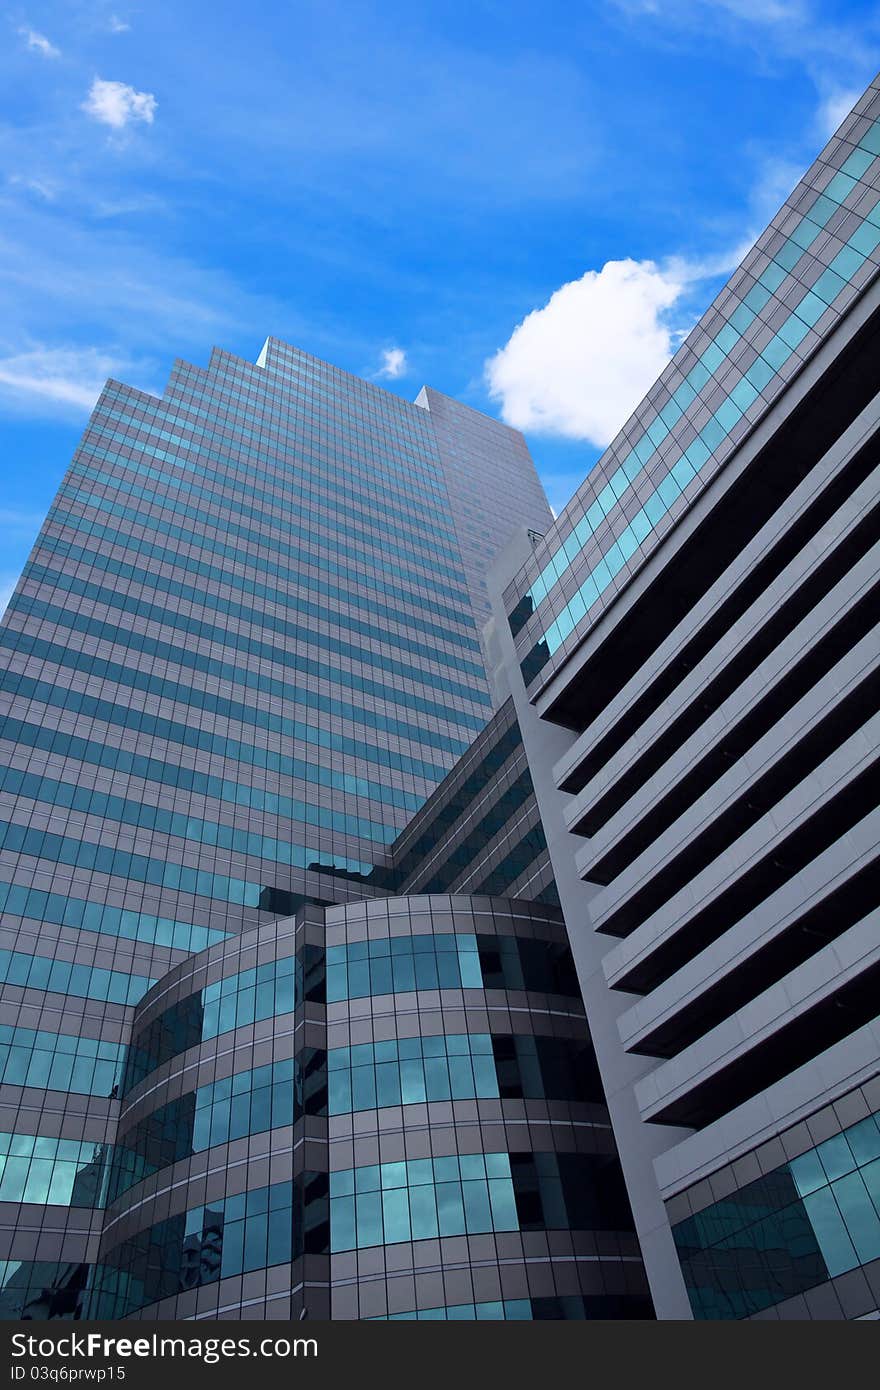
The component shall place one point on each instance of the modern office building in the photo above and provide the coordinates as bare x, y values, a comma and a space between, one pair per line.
244, 651
359, 964
692, 654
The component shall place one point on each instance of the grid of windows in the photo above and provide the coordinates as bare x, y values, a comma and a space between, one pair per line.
182, 825
63, 977
573, 1307
805, 1222
31, 1289
249, 1102
476, 834
264, 991
86, 854
183, 657
472, 1194
59, 1061
123, 760
409, 1071
503, 1310
421, 1199
189, 736
448, 961
232, 1235
51, 1172
65, 910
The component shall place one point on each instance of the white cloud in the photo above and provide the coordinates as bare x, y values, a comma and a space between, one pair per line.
39, 43
580, 365
394, 363
692, 12
41, 187
56, 379
115, 104
833, 110
117, 25
695, 13
762, 11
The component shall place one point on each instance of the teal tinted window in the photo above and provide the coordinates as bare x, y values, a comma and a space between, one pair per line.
249, 1102
475, 1193
38, 1289
66, 911
448, 961
59, 1061
232, 1235
409, 1071
807, 1221
51, 1172
85, 982
559, 1309
262, 992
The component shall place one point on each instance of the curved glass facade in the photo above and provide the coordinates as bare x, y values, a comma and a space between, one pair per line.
439, 1144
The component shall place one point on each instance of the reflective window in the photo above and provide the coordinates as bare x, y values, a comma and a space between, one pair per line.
407, 1071
59, 1061
252, 1230
390, 965
262, 992
247, 1103
43, 1289
62, 977
421, 1198
471, 1193
87, 854
66, 911
51, 1172
807, 1221
574, 1307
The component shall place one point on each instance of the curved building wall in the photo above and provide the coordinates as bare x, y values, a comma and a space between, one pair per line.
380, 1110
217, 1192
480, 1177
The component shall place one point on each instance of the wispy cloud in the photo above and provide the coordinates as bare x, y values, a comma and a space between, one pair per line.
117, 25
394, 363
38, 43
797, 30
53, 380
764, 12
116, 104
41, 187
834, 108
18, 521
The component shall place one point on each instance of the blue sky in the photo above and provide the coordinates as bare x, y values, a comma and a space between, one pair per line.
523, 204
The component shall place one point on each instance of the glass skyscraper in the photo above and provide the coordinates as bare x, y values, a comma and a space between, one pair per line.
244, 652
417, 907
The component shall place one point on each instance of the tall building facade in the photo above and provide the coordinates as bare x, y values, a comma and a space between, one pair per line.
691, 652
359, 963
241, 1074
